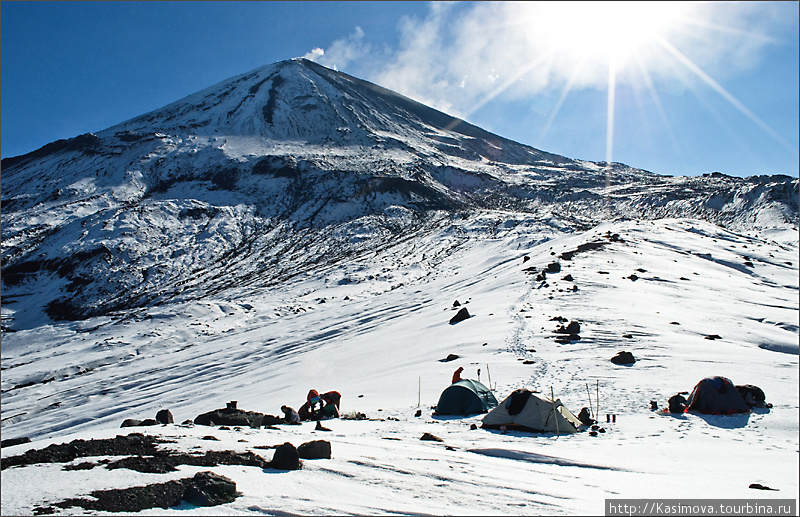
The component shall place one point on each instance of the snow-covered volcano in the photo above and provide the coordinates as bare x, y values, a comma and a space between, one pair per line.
293, 168
296, 228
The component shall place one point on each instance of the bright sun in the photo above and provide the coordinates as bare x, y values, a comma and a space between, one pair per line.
599, 39
603, 32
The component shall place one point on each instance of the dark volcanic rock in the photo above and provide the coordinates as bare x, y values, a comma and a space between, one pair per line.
134, 499
167, 461
430, 437
14, 441
623, 357
461, 315
573, 328
316, 449
165, 417
133, 444
209, 489
236, 417
204, 489
286, 458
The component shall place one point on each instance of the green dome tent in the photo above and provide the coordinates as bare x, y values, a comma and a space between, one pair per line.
465, 397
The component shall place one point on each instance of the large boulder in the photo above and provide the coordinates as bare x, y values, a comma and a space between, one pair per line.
623, 357
317, 449
209, 489
286, 458
10, 442
164, 417
236, 417
461, 315
572, 328
132, 422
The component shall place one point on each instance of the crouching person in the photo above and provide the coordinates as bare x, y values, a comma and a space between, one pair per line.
290, 416
331, 401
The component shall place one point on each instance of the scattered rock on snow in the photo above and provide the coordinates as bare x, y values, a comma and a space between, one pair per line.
573, 328
209, 489
316, 449
759, 486
164, 417
553, 267
431, 438
9, 442
461, 315
131, 422
286, 458
623, 357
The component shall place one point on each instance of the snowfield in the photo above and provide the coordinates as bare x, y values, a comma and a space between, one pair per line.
376, 329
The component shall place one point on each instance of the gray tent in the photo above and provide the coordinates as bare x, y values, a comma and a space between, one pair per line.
530, 412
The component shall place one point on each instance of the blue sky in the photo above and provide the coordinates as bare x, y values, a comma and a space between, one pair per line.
674, 88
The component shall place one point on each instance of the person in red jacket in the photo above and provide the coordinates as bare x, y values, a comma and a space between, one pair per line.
331, 397
331, 400
308, 411
457, 374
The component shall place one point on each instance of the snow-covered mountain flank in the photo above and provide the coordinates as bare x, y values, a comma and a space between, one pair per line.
295, 228
292, 168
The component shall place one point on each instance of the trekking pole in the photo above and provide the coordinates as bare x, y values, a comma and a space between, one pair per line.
553, 399
597, 399
490, 376
589, 394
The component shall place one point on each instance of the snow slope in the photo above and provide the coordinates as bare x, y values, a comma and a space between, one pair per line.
376, 331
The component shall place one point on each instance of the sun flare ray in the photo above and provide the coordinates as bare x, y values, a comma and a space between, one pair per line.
744, 110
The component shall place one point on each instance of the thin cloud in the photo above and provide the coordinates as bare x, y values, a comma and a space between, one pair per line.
342, 52
460, 54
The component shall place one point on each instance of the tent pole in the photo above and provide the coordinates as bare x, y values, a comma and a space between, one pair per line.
597, 399
589, 393
553, 399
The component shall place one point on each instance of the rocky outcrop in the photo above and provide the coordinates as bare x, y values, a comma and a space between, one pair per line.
204, 489
237, 417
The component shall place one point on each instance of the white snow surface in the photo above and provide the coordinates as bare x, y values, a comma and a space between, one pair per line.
377, 329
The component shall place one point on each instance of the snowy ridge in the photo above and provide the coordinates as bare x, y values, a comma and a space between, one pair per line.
228, 185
